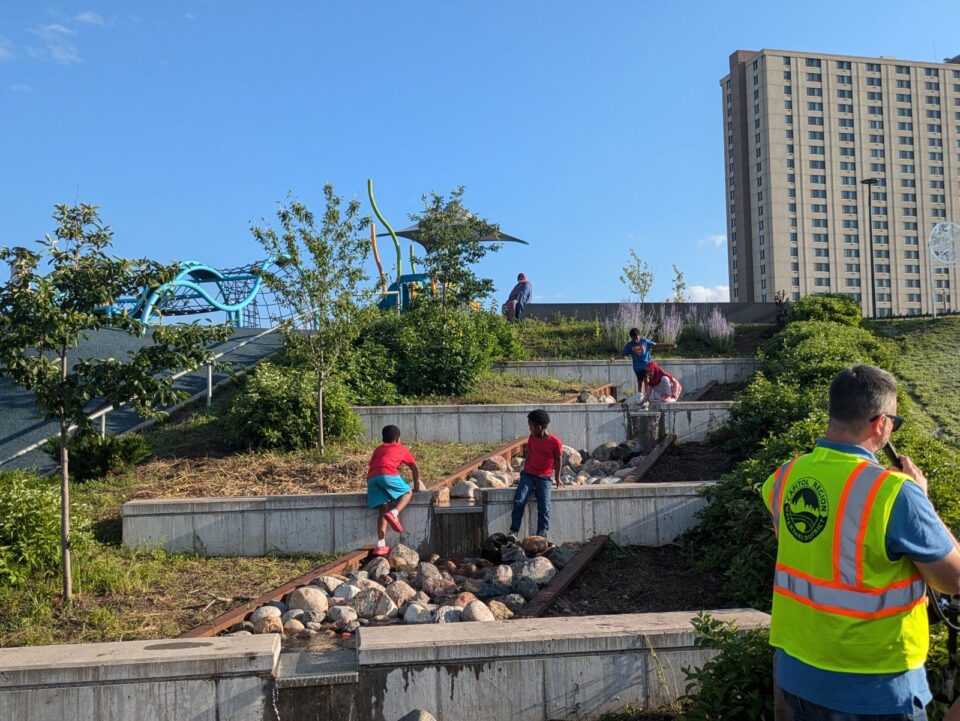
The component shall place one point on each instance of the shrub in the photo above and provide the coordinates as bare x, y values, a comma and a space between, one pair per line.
735, 684
671, 325
442, 351
30, 527
831, 307
712, 329
616, 330
93, 457
371, 374
276, 408
502, 337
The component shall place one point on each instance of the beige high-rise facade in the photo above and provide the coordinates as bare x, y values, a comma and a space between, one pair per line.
802, 131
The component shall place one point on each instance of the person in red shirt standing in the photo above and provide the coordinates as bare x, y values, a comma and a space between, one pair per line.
386, 489
544, 453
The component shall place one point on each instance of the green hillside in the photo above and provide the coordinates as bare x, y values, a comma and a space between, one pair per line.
929, 364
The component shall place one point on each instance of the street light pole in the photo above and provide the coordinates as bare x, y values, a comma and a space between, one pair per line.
869, 183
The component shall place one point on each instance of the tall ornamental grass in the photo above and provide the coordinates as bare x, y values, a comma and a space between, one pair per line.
616, 330
671, 325
712, 329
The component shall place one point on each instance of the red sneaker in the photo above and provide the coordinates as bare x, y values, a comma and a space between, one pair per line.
381, 550
394, 522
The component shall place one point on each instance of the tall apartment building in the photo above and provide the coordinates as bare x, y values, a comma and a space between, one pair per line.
802, 131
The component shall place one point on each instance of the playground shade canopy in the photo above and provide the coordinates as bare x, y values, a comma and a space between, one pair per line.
413, 233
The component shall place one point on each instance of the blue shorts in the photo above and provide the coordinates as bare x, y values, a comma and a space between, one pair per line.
383, 489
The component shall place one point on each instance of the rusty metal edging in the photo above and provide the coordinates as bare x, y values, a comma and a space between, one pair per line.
653, 456
561, 582
348, 562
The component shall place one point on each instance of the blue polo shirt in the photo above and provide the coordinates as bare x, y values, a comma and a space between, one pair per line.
639, 352
914, 531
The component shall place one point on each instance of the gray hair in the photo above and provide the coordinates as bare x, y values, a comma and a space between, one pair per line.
860, 393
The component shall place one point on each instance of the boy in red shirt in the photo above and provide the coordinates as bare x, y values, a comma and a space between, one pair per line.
386, 489
544, 454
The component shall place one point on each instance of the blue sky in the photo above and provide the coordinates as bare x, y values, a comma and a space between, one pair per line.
586, 128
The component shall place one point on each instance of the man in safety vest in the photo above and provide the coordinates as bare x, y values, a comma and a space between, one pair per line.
856, 544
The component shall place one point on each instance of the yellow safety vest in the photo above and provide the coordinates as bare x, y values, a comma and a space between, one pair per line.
839, 603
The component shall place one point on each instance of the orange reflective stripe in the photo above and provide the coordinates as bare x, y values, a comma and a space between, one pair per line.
891, 611
776, 493
828, 583
864, 520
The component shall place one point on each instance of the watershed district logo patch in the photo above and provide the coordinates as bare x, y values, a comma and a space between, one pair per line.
806, 509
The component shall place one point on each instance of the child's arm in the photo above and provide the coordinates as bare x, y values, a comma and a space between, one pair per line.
417, 485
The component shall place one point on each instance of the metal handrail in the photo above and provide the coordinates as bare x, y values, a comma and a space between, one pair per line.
103, 412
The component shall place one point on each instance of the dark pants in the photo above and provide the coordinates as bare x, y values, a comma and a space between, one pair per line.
518, 310
641, 379
540, 485
804, 710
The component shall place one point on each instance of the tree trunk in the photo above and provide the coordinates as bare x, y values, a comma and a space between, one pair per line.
320, 439
65, 497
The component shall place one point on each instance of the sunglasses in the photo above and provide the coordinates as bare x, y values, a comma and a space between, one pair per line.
896, 420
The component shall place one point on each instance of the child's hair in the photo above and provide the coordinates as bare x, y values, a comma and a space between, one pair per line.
634, 332
390, 434
540, 417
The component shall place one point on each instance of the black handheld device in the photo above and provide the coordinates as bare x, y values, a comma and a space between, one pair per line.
891, 453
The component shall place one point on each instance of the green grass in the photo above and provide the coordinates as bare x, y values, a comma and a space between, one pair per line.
566, 339
928, 363
509, 388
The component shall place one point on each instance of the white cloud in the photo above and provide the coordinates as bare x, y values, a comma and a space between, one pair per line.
20, 88
5, 52
717, 241
189, 16
57, 46
89, 17
702, 294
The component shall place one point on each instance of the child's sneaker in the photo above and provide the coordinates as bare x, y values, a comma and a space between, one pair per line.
381, 550
394, 520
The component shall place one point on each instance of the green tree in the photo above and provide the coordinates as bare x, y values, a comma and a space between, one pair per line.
679, 285
43, 317
451, 235
637, 276
320, 277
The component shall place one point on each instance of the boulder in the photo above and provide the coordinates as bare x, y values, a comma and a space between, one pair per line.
439, 587
587, 397
513, 601
581, 479
291, 614
516, 463
526, 588
427, 570
278, 604
609, 481
609, 468
265, 612
570, 456
378, 568
314, 616
502, 574
372, 602
403, 558
464, 489
308, 598
477, 611
512, 554
606, 398
420, 598
534, 545
604, 451
499, 610
495, 463
341, 614
560, 556
469, 567
268, 624
448, 614
463, 599
441, 497
292, 627
632, 478
355, 576
624, 472
346, 591
490, 479
417, 613
419, 715
400, 592
365, 583
328, 583
538, 569
492, 590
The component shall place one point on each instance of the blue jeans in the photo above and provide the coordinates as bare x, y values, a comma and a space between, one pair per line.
540, 485
807, 711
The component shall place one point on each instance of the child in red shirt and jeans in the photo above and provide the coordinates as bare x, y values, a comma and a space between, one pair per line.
386, 489
544, 454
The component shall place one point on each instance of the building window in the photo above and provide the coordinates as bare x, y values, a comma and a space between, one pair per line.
822, 282
851, 252
814, 78
841, 79
844, 108
852, 282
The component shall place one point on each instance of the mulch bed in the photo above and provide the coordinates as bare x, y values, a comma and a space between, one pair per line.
690, 462
722, 392
639, 579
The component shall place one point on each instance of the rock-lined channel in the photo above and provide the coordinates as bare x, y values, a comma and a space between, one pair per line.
405, 588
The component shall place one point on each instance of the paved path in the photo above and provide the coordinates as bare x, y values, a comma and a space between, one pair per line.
22, 425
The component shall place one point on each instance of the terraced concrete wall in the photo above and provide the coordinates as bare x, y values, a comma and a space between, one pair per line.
202, 679
693, 373
532, 670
